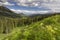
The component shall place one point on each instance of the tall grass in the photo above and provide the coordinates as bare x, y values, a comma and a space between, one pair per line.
47, 29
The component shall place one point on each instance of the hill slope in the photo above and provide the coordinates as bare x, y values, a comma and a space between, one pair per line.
47, 29
7, 13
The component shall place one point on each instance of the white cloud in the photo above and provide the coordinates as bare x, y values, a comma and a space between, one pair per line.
4, 0
0, 3
54, 5
16, 11
51, 4
27, 11
7, 3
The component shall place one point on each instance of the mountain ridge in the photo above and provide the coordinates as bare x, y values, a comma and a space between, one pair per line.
7, 12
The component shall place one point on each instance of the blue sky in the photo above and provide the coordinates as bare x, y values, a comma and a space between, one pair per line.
32, 6
16, 7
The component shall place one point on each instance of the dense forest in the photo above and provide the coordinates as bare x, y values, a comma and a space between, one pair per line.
34, 27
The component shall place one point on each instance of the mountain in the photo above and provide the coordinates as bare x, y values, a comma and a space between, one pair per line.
47, 29
8, 13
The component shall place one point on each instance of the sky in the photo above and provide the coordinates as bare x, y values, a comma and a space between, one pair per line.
32, 6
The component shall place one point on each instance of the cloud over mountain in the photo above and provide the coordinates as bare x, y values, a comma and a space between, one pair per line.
54, 5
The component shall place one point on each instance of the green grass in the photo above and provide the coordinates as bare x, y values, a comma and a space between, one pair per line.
47, 29
2, 36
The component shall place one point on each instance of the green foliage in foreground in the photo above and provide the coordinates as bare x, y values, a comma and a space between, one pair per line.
47, 29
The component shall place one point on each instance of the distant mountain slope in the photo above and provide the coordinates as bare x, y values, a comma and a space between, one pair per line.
8, 13
47, 29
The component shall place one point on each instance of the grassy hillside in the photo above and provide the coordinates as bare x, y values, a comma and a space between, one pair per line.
8, 20
35, 27
47, 29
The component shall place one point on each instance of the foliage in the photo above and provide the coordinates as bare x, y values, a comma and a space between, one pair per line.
36, 27
47, 29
